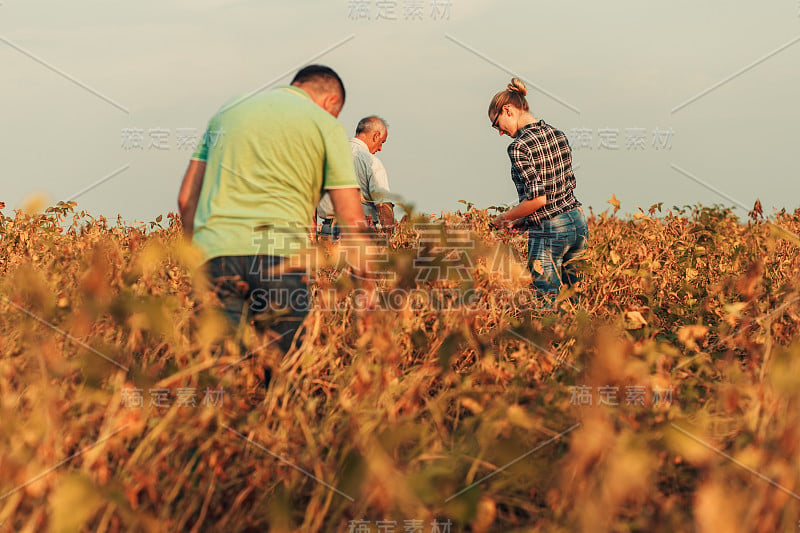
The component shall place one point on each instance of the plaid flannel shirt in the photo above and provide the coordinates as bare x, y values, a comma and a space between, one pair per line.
541, 164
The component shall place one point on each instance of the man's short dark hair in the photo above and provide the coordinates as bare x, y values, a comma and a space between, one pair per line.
320, 74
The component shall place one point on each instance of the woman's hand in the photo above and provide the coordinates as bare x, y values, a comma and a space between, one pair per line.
501, 222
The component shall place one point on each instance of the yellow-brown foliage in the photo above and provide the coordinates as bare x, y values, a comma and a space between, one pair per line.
390, 414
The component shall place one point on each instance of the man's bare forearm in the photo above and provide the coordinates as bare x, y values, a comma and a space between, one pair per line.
190, 194
350, 216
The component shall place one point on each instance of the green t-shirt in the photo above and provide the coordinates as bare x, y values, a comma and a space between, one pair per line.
268, 158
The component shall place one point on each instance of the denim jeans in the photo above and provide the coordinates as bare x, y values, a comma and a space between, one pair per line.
556, 243
248, 289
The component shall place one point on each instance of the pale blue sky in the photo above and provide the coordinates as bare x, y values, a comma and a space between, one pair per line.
610, 65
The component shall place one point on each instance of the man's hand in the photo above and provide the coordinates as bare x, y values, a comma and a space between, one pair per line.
386, 216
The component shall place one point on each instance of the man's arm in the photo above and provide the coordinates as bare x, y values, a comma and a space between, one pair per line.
190, 194
347, 206
350, 216
386, 216
379, 193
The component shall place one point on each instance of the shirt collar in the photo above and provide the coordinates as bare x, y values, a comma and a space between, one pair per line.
359, 142
296, 90
536, 124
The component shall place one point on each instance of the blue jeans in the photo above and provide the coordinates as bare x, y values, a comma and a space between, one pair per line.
556, 244
247, 289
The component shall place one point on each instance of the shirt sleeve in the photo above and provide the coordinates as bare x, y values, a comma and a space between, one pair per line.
522, 161
325, 206
201, 152
379, 184
210, 138
338, 172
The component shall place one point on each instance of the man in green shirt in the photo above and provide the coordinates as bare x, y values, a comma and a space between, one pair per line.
248, 196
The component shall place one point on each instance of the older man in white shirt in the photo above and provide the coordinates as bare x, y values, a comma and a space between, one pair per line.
371, 133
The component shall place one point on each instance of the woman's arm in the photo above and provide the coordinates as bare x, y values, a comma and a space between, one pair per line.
522, 162
520, 211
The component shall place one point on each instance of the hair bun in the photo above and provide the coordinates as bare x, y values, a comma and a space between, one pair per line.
516, 86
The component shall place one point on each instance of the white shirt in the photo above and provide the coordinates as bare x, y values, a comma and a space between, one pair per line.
372, 180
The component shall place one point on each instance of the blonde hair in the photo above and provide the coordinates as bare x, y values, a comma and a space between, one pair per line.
514, 95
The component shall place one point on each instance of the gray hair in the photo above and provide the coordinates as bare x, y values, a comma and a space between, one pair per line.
371, 123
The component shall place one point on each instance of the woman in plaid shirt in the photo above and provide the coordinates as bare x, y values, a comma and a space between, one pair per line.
541, 168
